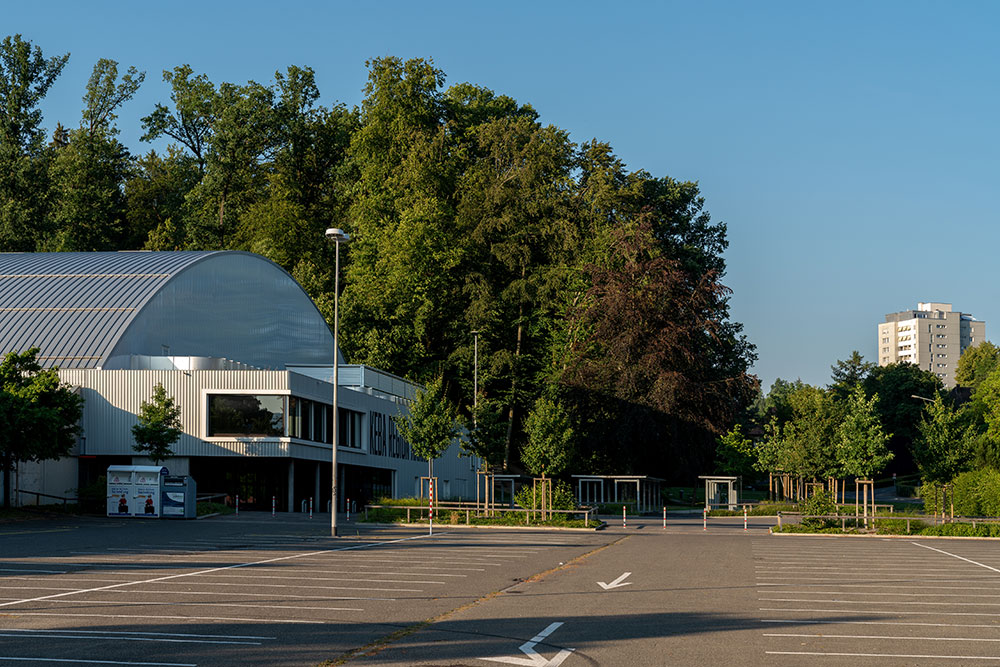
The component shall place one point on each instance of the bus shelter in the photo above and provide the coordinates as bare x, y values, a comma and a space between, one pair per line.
720, 490
641, 491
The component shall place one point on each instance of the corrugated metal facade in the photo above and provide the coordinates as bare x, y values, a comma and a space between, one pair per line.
97, 310
75, 306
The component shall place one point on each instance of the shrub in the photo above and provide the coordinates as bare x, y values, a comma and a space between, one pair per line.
975, 493
562, 497
93, 497
820, 503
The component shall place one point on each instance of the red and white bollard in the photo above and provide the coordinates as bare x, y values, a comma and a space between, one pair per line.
310, 507
624, 525
704, 519
744, 517
348, 509
237, 505
274, 505
664, 518
430, 514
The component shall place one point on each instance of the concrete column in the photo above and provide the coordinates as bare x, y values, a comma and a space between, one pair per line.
291, 485
316, 505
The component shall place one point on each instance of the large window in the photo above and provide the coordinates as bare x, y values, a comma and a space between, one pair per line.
242, 415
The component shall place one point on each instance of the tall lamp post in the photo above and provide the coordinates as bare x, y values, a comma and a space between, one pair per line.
338, 236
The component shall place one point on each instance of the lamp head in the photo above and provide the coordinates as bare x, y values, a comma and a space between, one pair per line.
339, 235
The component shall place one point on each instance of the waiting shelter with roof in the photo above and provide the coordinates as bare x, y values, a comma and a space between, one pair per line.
639, 491
245, 354
720, 491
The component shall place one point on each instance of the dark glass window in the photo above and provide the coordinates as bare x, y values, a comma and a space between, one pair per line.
244, 415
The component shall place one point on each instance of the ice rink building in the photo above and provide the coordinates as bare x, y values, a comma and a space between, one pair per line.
246, 355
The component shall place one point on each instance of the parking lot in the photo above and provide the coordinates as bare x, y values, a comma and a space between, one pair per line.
252, 590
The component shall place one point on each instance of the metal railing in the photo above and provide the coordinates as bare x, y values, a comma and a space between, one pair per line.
470, 508
39, 496
858, 519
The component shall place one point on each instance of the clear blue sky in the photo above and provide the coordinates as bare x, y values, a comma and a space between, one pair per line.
850, 147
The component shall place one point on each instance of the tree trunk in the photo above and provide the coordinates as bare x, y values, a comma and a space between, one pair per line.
513, 384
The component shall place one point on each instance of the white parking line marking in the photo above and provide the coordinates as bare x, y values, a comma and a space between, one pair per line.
214, 569
3, 633
200, 619
849, 622
256, 577
896, 602
896, 612
826, 636
888, 655
967, 560
98, 662
144, 634
319, 588
922, 595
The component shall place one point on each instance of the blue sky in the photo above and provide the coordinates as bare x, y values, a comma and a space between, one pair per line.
851, 148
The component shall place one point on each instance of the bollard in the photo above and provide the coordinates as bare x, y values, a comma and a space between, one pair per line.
310, 507
237, 505
664, 518
623, 517
348, 509
430, 513
274, 501
744, 517
779, 520
704, 519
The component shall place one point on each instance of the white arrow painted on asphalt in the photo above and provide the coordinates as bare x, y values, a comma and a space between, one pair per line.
534, 659
617, 583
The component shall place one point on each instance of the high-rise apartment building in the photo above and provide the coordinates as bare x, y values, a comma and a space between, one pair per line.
932, 337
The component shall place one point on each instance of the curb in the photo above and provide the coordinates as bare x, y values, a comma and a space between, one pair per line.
449, 526
885, 537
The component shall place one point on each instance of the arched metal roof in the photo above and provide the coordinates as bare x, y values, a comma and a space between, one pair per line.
79, 309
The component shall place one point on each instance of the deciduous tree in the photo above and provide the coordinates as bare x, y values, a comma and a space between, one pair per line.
39, 416
159, 426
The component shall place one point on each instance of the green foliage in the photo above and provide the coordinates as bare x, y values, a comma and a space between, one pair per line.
734, 454
25, 78
487, 433
550, 439
944, 447
963, 530
158, 427
466, 213
860, 440
431, 423
820, 502
898, 412
529, 497
976, 363
92, 498
38, 415
974, 493
849, 374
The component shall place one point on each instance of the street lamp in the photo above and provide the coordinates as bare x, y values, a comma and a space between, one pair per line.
925, 400
338, 236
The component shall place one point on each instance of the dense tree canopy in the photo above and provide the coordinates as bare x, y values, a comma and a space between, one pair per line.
588, 281
38, 415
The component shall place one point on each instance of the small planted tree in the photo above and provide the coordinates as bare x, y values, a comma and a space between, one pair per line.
944, 447
431, 424
861, 443
550, 442
159, 426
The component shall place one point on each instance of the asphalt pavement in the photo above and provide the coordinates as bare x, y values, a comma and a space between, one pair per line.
256, 590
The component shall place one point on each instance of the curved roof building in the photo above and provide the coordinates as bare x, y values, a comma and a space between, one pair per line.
110, 310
